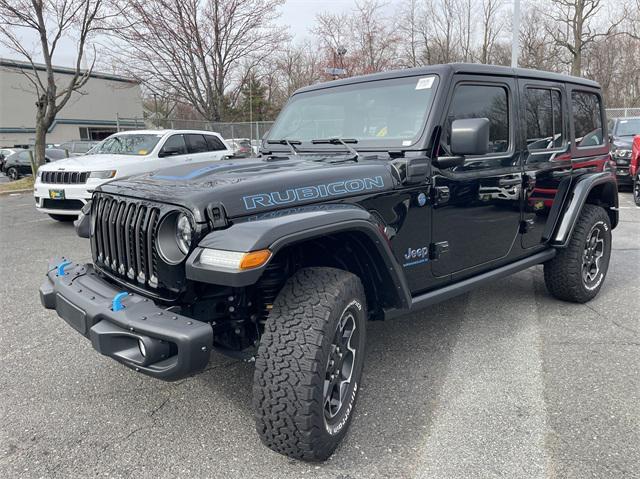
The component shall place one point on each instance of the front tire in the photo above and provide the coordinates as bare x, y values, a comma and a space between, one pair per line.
577, 272
13, 174
309, 363
636, 189
64, 218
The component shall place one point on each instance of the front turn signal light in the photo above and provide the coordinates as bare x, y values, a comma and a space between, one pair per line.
255, 259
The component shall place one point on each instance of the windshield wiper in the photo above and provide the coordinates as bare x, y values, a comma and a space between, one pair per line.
339, 141
289, 143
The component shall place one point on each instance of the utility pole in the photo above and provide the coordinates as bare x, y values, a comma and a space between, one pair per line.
515, 40
250, 108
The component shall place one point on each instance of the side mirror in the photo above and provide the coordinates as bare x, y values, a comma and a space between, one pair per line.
470, 137
169, 151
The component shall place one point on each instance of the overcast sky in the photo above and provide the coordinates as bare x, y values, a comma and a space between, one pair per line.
297, 14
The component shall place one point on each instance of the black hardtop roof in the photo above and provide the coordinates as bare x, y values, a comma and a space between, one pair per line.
446, 69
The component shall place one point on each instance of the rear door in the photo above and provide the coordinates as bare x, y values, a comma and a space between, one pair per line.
476, 214
547, 157
216, 147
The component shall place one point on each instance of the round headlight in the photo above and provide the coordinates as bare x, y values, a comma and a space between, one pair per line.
183, 233
174, 237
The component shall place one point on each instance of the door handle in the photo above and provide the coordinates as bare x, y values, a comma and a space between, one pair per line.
561, 174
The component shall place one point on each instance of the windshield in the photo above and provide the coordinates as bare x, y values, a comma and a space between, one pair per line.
629, 127
377, 113
138, 145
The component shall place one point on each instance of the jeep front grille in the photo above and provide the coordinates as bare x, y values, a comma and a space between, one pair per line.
64, 177
123, 238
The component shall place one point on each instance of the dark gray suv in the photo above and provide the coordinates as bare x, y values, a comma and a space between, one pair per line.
622, 131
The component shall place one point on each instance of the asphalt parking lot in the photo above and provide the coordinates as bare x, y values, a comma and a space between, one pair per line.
501, 382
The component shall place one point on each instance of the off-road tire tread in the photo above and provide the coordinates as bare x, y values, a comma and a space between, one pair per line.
289, 376
562, 274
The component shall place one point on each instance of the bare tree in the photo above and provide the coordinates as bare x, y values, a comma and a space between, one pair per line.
491, 28
51, 21
574, 27
193, 48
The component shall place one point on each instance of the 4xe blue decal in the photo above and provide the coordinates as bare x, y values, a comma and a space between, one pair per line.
306, 193
193, 174
416, 256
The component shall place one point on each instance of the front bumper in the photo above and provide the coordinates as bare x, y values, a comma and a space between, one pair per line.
175, 346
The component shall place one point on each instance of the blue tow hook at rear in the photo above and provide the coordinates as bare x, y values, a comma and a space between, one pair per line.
62, 266
116, 304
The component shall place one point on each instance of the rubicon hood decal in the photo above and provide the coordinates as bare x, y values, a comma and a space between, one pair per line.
306, 193
257, 185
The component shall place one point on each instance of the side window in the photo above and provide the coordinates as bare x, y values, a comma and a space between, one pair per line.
543, 111
196, 143
23, 157
587, 119
482, 101
176, 144
214, 144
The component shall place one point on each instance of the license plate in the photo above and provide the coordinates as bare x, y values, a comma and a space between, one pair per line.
56, 194
622, 172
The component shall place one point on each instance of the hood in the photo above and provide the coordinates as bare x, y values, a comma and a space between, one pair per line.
622, 142
92, 163
257, 185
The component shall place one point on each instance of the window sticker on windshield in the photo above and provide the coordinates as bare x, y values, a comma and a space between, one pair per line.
425, 83
624, 121
142, 152
406, 142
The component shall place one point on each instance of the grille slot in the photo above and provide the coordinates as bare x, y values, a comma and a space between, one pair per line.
64, 177
123, 239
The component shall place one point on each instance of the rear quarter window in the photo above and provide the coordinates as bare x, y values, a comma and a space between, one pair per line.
587, 119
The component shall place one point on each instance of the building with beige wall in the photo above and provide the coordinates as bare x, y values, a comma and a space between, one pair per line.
104, 104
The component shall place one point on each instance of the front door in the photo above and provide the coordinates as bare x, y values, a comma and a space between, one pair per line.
476, 215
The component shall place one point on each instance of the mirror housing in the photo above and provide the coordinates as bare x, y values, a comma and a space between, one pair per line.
168, 151
470, 136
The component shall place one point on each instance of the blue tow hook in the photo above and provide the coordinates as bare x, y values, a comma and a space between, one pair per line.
62, 266
117, 305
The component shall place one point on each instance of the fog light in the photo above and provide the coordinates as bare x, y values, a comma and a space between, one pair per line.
143, 348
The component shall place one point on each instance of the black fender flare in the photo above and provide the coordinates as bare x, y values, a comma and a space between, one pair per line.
578, 196
283, 228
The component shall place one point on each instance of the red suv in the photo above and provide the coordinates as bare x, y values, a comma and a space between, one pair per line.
634, 169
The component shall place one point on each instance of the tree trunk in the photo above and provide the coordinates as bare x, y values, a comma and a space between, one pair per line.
41, 141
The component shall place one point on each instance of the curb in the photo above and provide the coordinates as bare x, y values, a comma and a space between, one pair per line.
10, 192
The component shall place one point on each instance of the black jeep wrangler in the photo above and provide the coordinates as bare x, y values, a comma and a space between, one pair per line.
371, 197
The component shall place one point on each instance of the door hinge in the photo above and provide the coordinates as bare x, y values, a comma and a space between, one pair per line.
438, 249
526, 225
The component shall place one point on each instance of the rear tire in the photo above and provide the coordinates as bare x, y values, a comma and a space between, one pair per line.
309, 363
577, 272
64, 218
636, 190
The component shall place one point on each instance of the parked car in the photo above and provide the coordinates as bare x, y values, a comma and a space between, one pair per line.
241, 147
622, 131
368, 203
62, 189
4, 154
634, 168
18, 164
78, 147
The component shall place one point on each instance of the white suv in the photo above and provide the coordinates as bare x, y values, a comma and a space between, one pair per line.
64, 187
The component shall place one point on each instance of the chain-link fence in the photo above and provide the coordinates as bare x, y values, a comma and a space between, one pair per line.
254, 130
622, 112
